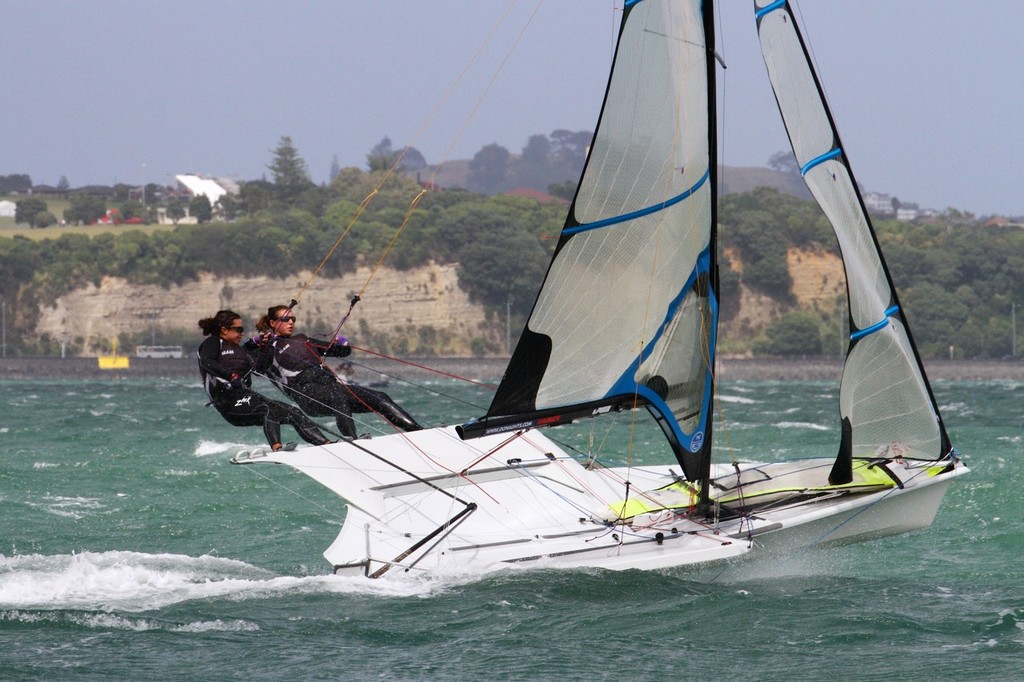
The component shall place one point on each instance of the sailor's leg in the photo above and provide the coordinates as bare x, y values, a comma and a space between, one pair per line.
306, 427
382, 404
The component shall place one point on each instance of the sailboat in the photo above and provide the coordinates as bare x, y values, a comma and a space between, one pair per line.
626, 322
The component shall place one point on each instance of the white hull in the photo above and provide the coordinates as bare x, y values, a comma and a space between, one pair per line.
428, 501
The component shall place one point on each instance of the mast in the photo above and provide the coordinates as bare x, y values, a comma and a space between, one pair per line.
887, 407
628, 311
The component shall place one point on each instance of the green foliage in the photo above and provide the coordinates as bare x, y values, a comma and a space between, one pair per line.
15, 183
26, 211
134, 209
291, 177
200, 208
490, 170
795, 333
957, 281
175, 212
762, 226
45, 219
85, 209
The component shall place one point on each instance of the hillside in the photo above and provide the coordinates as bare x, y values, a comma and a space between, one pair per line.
396, 303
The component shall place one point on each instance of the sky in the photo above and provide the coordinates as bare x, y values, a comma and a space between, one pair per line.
928, 95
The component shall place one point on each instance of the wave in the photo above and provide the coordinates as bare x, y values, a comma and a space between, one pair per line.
68, 507
111, 621
737, 399
802, 425
124, 581
207, 448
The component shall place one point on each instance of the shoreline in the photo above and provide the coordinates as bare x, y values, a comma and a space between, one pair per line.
491, 369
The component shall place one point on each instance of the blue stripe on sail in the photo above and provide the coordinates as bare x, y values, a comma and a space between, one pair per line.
627, 384
820, 159
770, 8
892, 310
640, 213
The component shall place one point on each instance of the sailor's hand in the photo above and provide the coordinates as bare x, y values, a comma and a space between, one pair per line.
236, 381
344, 350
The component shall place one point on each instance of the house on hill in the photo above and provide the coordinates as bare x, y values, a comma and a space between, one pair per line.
196, 185
190, 186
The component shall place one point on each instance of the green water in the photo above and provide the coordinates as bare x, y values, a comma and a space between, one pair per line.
131, 548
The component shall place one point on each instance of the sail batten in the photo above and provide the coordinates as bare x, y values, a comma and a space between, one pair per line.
636, 214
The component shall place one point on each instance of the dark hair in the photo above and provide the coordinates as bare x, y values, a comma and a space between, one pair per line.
223, 319
263, 324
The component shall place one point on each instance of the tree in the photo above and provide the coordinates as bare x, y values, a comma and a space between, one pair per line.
133, 209
784, 162
413, 160
795, 333
255, 196
63, 186
85, 208
291, 176
26, 210
489, 170
15, 184
45, 219
570, 149
563, 190
200, 208
175, 212
382, 156
229, 207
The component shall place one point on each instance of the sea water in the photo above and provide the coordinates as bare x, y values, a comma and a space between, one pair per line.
131, 548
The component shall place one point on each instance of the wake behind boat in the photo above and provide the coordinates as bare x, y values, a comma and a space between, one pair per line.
626, 320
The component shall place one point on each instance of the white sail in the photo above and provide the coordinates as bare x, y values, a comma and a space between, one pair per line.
884, 395
627, 311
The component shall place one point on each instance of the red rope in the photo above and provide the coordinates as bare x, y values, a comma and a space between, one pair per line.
424, 367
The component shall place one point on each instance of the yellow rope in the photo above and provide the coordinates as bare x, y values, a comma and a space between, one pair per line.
398, 161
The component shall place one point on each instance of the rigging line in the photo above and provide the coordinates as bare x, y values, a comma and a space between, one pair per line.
487, 89
394, 167
398, 161
430, 183
426, 368
586, 512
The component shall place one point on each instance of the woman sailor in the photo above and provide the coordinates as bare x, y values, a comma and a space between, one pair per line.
225, 367
298, 370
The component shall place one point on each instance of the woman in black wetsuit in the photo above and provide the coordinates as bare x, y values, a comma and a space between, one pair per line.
297, 369
225, 367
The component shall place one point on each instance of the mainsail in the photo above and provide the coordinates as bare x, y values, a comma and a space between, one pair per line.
886, 404
627, 313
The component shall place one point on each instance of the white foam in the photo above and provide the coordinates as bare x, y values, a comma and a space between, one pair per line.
802, 425
737, 399
133, 581
207, 448
68, 507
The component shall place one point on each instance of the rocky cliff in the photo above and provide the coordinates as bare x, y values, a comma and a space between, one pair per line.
392, 300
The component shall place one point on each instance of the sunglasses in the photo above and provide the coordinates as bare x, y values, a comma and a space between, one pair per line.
238, 329
286, 318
